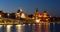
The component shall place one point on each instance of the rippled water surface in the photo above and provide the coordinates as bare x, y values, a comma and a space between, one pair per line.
42, 27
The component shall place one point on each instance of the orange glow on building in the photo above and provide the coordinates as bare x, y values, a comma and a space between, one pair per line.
43, 16
17, 15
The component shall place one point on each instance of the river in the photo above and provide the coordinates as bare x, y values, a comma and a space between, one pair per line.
42, 27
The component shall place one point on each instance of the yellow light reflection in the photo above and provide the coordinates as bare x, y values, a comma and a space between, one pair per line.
33, 29
18, 27
0, 15
8, 28
1, 26
46, 27
40, 30
23, 24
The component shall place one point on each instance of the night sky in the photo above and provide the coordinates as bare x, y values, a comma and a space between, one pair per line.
29, 6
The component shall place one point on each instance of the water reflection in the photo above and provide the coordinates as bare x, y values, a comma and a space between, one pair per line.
8, 28
41, 27
0, 27
18, 28
46, 27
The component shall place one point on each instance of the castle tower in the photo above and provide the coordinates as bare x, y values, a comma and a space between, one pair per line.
37, 13
19, 11
36, 9
45, 13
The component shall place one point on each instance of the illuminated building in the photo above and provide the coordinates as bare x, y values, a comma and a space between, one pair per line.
41, 17
45, 14
20, 14
37, 14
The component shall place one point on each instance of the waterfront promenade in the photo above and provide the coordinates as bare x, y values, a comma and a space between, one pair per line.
8, 21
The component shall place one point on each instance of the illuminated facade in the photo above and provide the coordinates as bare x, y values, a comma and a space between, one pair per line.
41, 17
20, 14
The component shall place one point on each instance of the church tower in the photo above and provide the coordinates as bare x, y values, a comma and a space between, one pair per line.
37, 13
45, 13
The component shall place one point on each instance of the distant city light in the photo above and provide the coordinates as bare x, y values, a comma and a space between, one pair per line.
37, 21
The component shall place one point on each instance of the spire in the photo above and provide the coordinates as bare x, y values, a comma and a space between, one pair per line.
45, 11
36, 9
